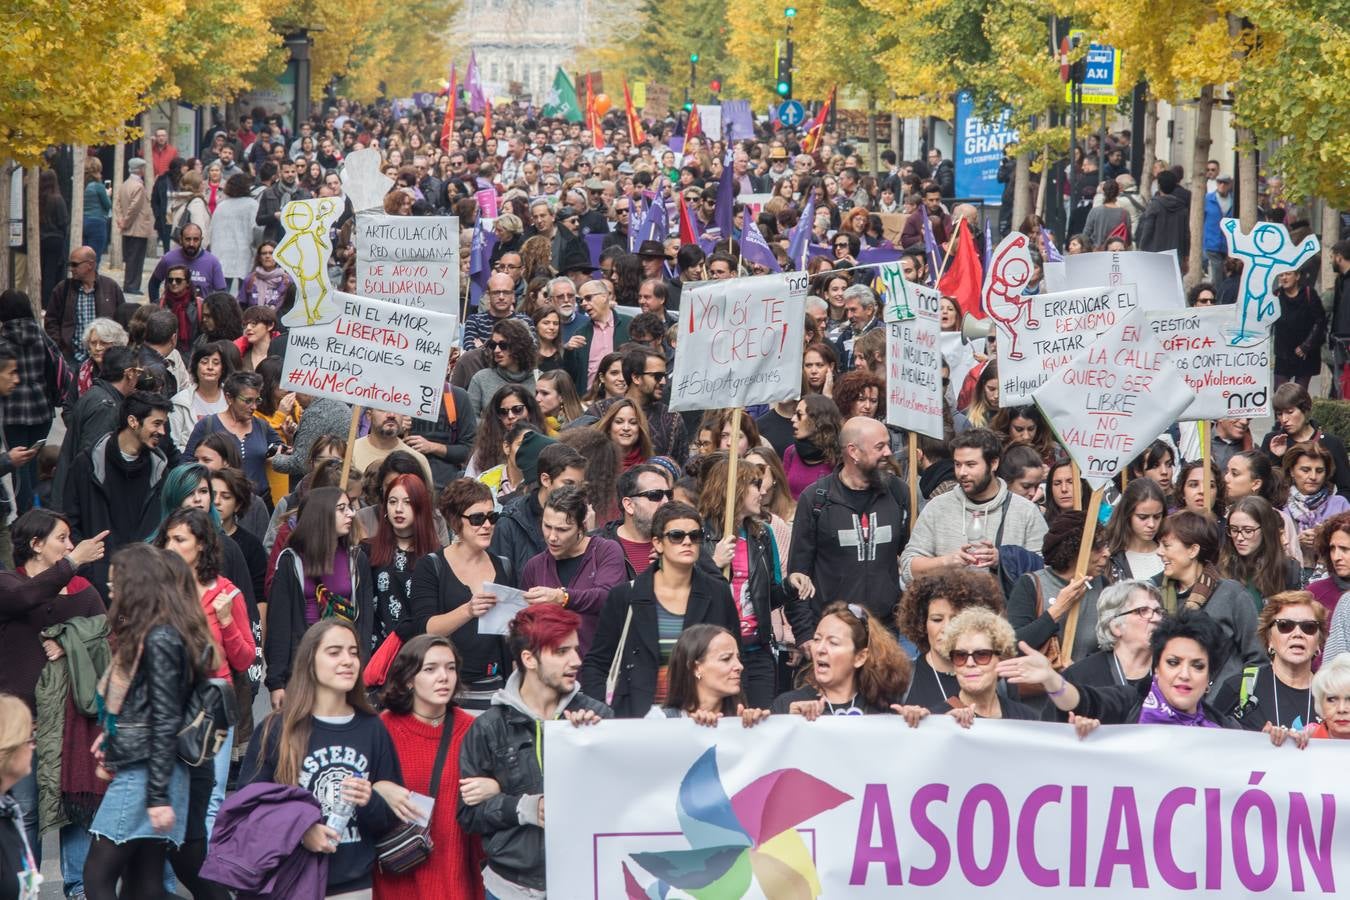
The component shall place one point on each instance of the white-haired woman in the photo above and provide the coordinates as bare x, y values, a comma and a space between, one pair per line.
98, 336
1331, 694
1127, 613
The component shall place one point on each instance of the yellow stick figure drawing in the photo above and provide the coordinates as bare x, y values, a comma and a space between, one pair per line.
304, 253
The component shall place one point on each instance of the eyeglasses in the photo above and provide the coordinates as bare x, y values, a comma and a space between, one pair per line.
502, 293
678, 536
981, 657
1239, 531
659, 376
842, 245
517, 410
477, 520
1307, 626
1147, 613
249, 401
655, 495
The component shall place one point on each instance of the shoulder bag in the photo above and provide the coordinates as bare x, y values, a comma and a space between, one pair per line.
408, 846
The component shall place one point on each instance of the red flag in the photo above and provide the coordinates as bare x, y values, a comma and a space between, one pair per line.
688, 235
811, 142
693, 125
451, 97
487, 118
965, 275
635, 133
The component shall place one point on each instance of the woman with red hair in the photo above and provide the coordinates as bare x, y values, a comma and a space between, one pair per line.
405, 533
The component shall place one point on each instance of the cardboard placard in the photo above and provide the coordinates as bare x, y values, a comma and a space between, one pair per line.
1229, 382
412, 261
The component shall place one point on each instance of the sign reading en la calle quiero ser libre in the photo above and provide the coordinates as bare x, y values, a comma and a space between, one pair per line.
374, 354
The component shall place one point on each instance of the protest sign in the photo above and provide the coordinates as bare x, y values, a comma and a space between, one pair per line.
374, 354
1157, 276
959, 355
487, 202
1057, 327
740, 342
754, 203
914, 373
1266, 251
1113, 398
667, 808
658, 101
1229, 382
710, 120
409, 260
303, 254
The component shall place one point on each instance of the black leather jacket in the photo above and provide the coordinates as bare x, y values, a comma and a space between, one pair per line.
147, 727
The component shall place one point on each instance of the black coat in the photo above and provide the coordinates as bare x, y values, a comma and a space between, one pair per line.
1121, 704
286, 612
1165, 225
710, 602
1302, 324
152, 712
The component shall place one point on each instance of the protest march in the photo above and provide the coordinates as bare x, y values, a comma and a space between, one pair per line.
440, 479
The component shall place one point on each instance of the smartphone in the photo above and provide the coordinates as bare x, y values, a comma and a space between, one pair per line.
38, 445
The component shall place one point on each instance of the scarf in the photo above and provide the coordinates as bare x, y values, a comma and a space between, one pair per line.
268, 287
633, 457
1306, 508
808, 452
1197, 596
1157, 711
113, 688
178, 304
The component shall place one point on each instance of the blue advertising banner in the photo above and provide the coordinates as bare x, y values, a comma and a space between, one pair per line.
979, 149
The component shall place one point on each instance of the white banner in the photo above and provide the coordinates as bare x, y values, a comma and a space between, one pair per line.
740, 342
914, 371
865, 807
408, 260
960, 359
373, 354
1229, 382
1057, 327
1156, 275
1113, 398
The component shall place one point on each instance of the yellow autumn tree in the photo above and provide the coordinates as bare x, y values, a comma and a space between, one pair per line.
218, 48
385, 62
77, 72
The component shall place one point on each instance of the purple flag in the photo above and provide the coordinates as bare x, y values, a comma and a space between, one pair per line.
757, 250
655, 224
473, 82
1052, 253
634, 238
800, 236
724, 214
930, 247
480, 261
988, 244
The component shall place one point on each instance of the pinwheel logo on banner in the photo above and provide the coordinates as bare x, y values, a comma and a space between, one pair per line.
734, 841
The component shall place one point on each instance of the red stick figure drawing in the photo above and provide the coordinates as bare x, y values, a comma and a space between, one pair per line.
1003, 300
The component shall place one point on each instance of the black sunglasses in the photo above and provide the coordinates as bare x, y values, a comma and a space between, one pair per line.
175, 281
477, 519
659, 376
1307, 626
517, 410
654, 495
981, 657
677, 536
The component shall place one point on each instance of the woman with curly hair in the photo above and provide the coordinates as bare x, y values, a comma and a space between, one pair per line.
929, 603
976, 641
536, 255
603, 466
858, 393
513, 363
815, 446
856, 669
511, 404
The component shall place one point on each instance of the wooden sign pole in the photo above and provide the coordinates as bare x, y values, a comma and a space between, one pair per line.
351, 444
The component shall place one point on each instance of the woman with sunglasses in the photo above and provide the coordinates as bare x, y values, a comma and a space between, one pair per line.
1278, 694
511, 404
1253, 555
257, 441
629, 660
977, 641
513, 363
1127, 613
448, 595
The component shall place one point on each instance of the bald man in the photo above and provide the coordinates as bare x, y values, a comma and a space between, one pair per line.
78, 300
848, 532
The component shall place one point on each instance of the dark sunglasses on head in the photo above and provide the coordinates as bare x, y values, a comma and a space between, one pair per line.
517, 410
678, 536
477, 519
981, 657
1307, 626
654, 495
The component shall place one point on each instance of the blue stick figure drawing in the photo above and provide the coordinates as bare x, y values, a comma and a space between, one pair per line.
1265, 252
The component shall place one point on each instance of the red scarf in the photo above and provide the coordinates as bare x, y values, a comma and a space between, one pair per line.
633, 457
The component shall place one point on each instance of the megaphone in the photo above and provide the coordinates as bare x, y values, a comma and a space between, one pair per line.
973, 329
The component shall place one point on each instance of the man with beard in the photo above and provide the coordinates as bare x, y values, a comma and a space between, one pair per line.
966, 527
642, 490
1229, 438
848, 532
384, 437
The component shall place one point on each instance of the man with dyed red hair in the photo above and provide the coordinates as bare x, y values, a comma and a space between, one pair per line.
506, 745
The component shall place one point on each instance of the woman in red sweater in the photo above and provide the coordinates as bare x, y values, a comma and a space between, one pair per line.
419, 706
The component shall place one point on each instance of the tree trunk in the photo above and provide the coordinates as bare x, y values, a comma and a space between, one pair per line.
79, 152
115, 233
895, 133
173, 124
31, 209
1199, 157
1021, 188
1246, 178
873, 158
1150, 150
1331, 233
6, 255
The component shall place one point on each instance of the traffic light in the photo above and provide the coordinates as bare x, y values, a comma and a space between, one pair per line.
790, 12
693, 57
688, 106
715, 86
783, 69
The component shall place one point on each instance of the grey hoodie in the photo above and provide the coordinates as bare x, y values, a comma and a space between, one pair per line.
941, 525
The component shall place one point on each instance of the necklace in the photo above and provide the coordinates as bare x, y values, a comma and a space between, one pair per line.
849, 709
430, 721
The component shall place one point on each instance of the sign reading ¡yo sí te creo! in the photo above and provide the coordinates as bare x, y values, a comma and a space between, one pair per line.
668, 808
409, 260
374, 354
740, 342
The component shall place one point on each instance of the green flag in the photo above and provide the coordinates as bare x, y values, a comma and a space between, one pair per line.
561, 101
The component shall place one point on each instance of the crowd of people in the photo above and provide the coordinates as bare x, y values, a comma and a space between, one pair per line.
200, 525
